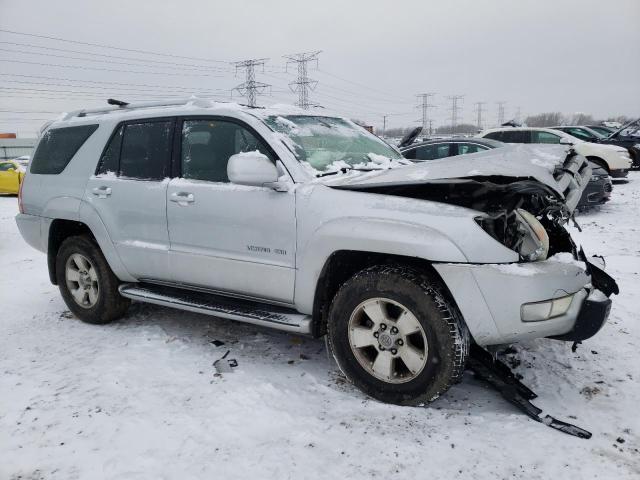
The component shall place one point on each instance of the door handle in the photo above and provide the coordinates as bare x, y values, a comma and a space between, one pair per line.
102, 192
182, 198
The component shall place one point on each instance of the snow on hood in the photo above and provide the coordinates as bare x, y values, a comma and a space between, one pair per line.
517, 161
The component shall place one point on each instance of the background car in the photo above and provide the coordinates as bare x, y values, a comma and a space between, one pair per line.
597, 192
614, 159
606, 131
583, 133
628, 137
448, 147
11, 175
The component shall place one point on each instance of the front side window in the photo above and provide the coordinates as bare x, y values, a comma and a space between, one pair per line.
464, 148
579, 133
146, 149
207, 146
544, 137
328, 143
433, 152
5, 167
57, 147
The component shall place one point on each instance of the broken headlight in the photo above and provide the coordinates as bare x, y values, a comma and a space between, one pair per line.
520, 231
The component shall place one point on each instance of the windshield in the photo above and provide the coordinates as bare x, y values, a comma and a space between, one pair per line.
329, 143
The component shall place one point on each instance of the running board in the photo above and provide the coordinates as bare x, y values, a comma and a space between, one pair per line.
256, 313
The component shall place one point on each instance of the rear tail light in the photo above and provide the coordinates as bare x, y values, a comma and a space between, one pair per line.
20, 206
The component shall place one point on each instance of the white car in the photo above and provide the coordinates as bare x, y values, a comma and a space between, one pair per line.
615, 160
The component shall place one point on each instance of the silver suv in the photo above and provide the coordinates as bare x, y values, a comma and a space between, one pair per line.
305, 222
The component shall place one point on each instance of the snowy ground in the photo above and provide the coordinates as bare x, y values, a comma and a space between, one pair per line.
138, 399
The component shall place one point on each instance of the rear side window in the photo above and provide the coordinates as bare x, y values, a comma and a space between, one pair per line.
145, 150
513, 136
433, 152
464, 148
544, 137
57, 147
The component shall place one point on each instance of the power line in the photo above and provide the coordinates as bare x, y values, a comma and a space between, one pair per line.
146, 60
303, 83
250, 87
425, 106
180, 74
145, 85
147, 52
112, 62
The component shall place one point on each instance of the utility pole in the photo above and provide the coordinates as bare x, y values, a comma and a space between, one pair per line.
455, 108
250, 87
517, 114
384, 126
479, 111
501, 105
425, 106
303, 83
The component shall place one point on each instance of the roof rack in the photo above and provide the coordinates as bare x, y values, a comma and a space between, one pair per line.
198, 102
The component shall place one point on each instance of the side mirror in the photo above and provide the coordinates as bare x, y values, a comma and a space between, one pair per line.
252, 168
565, 141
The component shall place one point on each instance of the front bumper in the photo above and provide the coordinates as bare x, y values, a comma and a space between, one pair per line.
619, 172
596, 193
490, 298
593, 314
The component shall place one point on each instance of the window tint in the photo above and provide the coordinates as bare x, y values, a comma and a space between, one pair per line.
146, 149
579, 133
432, 152
208, 144
494, 136
514, 136
410, 154
469, 148
57, 147
4, 167
111, 156
544, 137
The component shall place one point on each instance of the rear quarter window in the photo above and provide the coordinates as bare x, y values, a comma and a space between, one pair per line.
57, 147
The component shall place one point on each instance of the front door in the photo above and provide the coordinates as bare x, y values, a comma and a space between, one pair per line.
226, 237
129, 193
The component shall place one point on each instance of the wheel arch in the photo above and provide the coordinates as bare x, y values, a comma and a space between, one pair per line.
343, 264
599, 161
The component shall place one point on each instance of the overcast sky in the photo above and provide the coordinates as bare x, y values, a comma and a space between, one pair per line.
561, 55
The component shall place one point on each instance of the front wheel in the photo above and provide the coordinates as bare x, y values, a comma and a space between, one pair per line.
396, 336
86, 282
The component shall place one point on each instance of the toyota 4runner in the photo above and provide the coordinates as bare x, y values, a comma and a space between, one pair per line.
305, 222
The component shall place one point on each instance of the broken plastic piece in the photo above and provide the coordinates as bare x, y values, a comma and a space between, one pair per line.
499, 376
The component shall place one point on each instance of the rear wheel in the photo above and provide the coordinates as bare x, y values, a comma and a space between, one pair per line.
86, 282
396, 336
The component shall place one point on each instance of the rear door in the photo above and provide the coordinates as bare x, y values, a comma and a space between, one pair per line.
129, 190
226, 237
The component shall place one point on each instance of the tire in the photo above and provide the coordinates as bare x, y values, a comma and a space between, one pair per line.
101, 302
441, 340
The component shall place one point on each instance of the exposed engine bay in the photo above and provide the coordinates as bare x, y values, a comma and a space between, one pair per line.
525, 215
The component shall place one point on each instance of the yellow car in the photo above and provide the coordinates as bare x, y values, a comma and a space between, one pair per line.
11, 175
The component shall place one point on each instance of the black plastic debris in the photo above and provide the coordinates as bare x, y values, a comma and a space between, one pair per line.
224, 364
499, 376
217, 343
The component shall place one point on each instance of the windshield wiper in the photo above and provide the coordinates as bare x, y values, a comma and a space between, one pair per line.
347, 169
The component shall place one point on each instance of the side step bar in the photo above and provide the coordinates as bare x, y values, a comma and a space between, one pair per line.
280, 318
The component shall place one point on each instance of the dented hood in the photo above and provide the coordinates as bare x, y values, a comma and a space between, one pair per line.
556, 166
